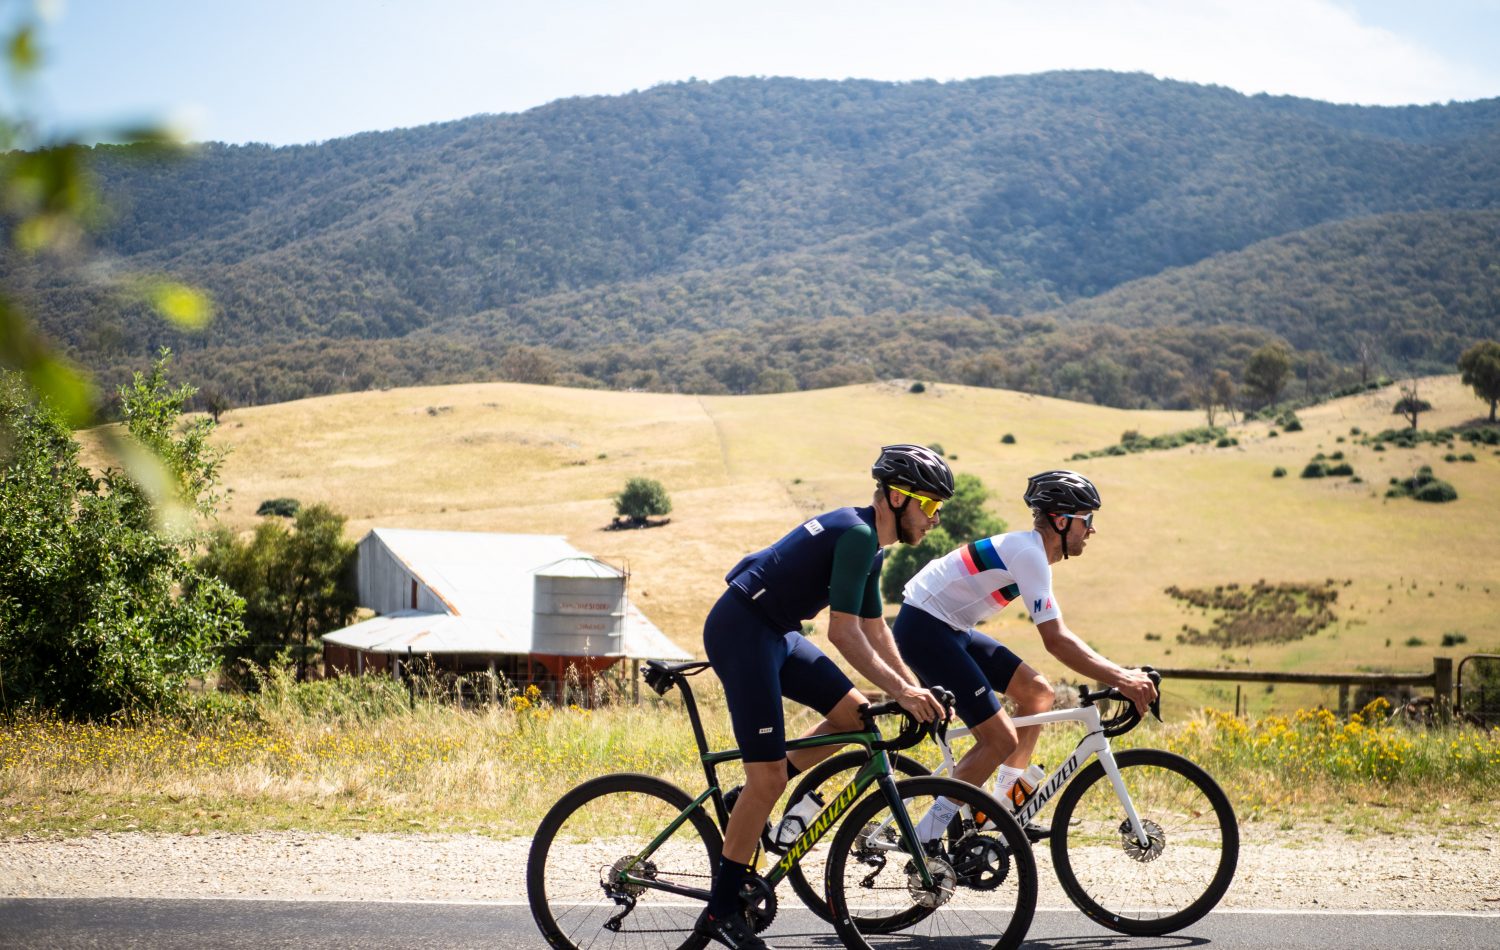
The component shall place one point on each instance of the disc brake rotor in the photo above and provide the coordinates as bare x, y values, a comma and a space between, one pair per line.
944, 880
1154, 833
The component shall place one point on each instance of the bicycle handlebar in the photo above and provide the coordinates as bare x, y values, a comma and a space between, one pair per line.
912, 731
1130, 718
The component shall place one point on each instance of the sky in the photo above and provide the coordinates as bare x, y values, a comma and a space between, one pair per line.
296, 71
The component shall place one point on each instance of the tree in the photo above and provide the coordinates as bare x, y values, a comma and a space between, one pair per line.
1410, 404
296, 583
1480, 366
964, 516
216, 403
905, 561
1224, 393
964, 519
101, 609
1266, 372
528, 364
642, 498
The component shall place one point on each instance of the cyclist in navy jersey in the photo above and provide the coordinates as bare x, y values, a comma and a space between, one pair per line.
753, 640
953, 593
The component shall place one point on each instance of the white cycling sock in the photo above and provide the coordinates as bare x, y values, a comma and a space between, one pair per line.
935, 822
1005, 780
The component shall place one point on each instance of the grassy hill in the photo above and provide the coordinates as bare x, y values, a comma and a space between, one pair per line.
741, 470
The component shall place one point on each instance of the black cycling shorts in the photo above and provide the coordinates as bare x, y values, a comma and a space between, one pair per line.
974, 667
758, 665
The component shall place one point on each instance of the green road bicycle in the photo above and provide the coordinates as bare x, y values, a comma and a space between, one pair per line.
1143, 841
627, 860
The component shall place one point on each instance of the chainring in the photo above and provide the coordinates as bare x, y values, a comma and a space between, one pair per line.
981, 862
758, 901
1154, 834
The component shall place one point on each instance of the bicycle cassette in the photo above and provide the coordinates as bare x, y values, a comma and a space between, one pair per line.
611, 882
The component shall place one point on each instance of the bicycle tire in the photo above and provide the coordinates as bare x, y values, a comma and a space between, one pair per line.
990, 896
1154, 891
595, 826
829, 777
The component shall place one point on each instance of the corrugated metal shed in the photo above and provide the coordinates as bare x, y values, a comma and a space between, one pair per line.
444, 592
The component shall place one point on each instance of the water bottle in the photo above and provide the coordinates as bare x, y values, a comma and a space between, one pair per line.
1025, 787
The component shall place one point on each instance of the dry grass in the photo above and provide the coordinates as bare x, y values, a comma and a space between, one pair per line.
352, 757
741, 470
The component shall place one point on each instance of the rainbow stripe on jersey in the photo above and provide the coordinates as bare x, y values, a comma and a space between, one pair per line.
981, 556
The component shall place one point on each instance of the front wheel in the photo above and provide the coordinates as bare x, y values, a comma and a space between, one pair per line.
1156, 889
591, 881
983, 876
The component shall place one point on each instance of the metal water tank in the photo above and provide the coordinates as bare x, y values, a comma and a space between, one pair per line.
578, 608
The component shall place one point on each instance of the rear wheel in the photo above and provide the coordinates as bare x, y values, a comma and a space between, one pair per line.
586, 879
1154, 890
828, 778
983, 887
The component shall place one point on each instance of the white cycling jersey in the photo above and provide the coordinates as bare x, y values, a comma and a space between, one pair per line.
966, 585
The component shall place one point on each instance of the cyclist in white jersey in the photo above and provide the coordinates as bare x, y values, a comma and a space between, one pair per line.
947, 598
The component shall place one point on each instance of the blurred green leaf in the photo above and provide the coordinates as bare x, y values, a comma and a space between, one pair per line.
67, 390
188, 308
22, 51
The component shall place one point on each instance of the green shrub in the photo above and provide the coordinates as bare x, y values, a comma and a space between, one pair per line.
1436, 490
642, 498
1454, 639
1278, 472
937, 447
1341, 469
1314, 470
1415, 641
1008, 439
280, 507
918, 387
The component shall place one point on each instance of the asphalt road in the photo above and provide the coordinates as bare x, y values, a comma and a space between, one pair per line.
73, 924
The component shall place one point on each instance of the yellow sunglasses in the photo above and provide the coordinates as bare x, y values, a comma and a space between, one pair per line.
929, 506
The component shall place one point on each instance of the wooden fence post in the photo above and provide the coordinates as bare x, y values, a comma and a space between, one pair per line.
1442, 686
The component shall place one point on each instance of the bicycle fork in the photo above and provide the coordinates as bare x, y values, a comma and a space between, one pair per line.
1107, 759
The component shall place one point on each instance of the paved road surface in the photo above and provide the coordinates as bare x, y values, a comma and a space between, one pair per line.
74, 924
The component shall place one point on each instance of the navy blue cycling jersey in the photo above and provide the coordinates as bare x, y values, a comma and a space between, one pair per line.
793, 579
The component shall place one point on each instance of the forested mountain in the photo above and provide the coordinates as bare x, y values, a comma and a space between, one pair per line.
1044, 232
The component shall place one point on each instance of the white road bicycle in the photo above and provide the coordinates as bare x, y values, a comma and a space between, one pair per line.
1143, 841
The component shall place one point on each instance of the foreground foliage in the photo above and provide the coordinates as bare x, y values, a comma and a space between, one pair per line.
101, 610
362, 755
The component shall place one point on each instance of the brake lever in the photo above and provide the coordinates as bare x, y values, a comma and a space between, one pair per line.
947, 699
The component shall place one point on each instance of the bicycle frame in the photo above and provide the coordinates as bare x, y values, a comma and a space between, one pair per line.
1094, 742
877, 771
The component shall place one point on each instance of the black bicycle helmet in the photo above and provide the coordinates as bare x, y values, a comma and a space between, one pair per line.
915, 466
1061, 492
